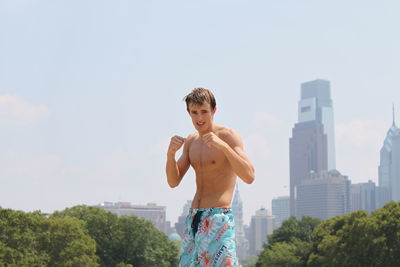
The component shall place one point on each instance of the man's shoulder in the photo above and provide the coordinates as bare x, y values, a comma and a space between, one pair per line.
191, 137
225, 132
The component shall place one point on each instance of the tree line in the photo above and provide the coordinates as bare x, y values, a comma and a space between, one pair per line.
82, 236
357, 239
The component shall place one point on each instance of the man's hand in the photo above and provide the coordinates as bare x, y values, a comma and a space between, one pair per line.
175, 144
212, 140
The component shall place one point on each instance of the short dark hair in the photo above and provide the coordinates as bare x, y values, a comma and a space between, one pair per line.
198, 96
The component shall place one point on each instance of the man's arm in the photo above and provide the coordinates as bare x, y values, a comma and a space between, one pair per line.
233, 150
176, 170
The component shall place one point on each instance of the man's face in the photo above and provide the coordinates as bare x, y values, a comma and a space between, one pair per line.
202, 117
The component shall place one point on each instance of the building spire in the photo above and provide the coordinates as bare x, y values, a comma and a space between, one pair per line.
394, 121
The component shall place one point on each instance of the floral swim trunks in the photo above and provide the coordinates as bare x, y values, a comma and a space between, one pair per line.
209, 238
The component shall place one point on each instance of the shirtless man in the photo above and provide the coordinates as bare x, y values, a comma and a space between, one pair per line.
216, 154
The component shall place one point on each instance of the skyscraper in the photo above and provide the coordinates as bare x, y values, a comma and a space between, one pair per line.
312, 146
389, 170
242, 244
316, 104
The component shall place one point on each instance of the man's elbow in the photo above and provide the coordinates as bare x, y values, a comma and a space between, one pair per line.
172, 185
251, 176
250, 179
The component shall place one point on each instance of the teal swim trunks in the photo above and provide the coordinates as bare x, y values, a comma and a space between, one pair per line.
209, 238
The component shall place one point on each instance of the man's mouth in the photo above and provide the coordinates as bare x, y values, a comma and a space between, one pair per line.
200, 123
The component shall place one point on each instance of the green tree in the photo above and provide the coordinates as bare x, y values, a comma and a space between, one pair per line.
32, 239
387, 238
293, 228
359, 239
290, 245
67, 242
125, 240
101, 226
141, 244
345, 240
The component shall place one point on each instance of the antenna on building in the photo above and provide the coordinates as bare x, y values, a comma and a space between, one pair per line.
394, 121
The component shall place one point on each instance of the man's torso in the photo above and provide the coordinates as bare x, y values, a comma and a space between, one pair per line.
215, 179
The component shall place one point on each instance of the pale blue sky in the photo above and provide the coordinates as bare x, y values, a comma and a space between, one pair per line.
91, 91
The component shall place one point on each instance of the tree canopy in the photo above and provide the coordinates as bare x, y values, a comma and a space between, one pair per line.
357, 239
82, 236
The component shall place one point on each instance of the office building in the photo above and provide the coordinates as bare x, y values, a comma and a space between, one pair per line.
312, 145
389, 167
324, 195
280, 210
261, 225
363, 196
151, 212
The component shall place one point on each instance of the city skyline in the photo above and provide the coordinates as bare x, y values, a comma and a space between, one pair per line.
87, 106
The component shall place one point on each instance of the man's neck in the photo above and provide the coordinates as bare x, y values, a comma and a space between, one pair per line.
210, 130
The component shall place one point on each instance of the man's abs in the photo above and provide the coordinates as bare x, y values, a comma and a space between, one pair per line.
213, 192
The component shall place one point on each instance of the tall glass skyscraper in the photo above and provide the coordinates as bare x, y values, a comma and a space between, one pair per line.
389, 167
312, 146
316, 105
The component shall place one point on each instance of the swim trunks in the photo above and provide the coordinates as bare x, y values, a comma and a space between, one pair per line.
209, 238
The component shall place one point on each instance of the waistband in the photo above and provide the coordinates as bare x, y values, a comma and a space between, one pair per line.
210, 210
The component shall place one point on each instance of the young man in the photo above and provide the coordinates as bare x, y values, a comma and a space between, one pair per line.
216, 155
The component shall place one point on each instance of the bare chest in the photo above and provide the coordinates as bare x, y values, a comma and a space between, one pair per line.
206, 158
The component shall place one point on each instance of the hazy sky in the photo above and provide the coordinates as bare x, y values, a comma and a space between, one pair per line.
91, 91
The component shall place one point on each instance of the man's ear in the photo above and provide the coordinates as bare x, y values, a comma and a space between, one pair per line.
215, 109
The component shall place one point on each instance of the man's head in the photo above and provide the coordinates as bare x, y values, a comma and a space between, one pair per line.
201, 106
200, 96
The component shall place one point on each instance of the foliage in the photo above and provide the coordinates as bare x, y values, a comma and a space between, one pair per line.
290, 245
31, 239
251, 261
352, 240
126, 240
357, 239
82, 236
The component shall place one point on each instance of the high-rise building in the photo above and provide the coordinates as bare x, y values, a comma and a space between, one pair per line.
312, 146
363, 196
324, 195
261, 225
316, 104
242, 244
308, 153
389, 170
151, 212
280, 209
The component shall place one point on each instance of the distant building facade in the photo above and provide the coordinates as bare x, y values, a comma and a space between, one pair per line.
280, 209
324, 195
389, 167
151, 212
180, 225
242, 244
261, 225
363, 196
312, 145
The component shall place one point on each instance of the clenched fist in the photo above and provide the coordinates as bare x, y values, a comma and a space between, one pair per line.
175, 144
212, 140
